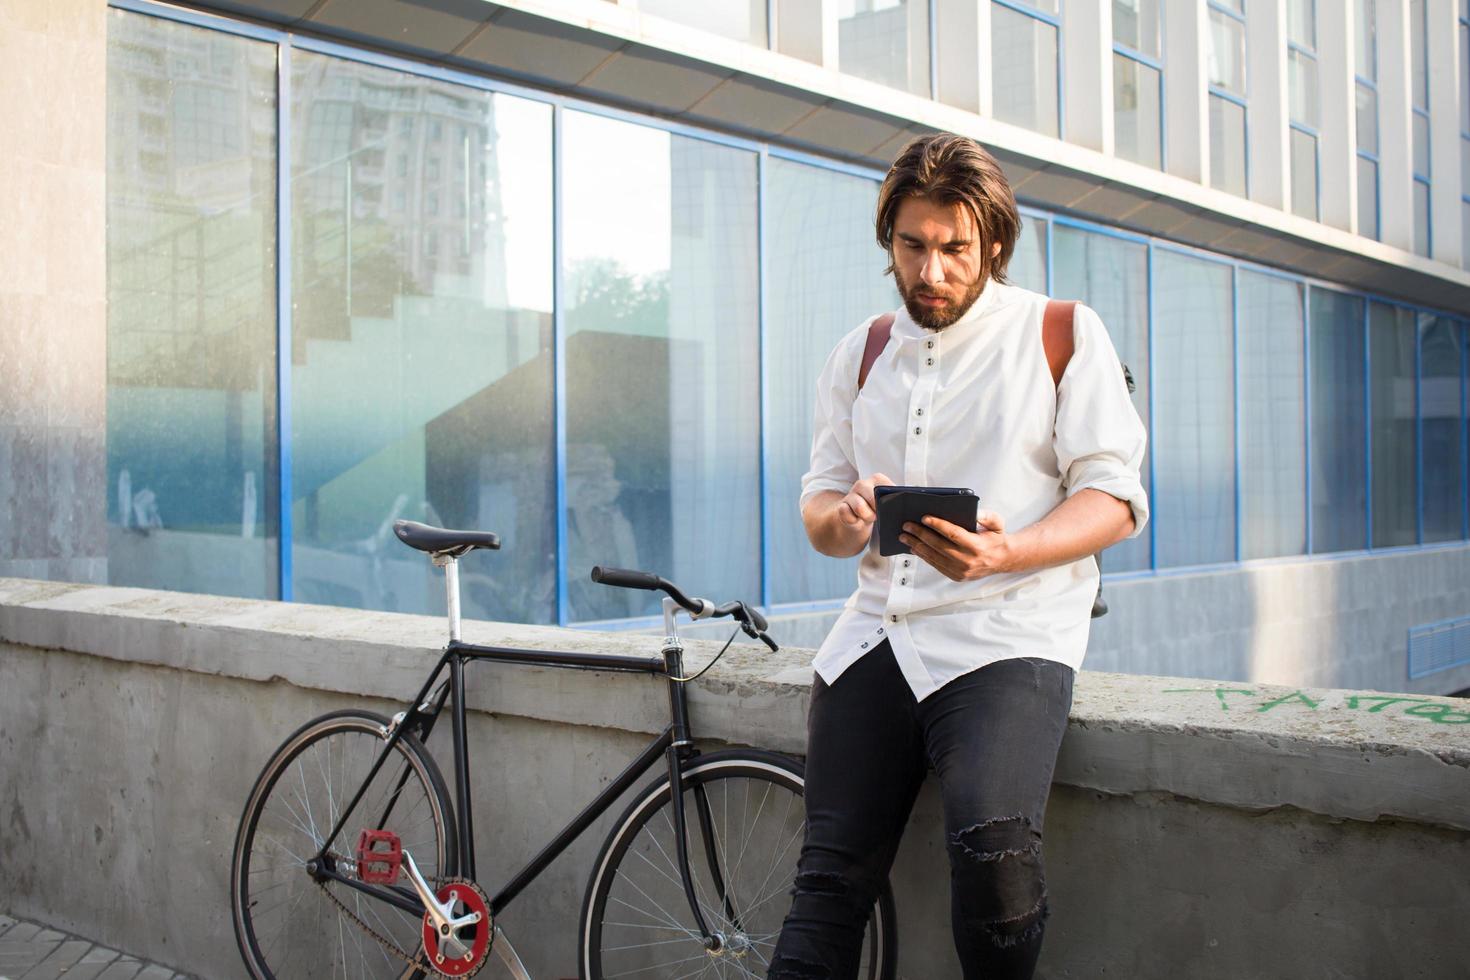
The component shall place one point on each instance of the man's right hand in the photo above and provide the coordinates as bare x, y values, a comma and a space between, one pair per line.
841, 524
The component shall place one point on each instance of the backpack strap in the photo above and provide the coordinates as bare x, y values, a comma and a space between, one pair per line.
878, 332
1056, 336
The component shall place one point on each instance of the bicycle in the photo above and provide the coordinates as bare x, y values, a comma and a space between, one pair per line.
352, 804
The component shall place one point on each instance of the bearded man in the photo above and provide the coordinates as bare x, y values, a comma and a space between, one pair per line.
961, 655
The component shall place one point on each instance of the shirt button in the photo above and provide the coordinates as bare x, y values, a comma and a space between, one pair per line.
880, 631
918, 411
930, 345
905, 563
903, 581
929, 361
865, 646
893, 619
918, 431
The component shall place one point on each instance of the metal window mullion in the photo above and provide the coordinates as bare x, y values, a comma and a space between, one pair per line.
559, 362
1235, 387
1418, 432
1368, 418
286, 533
762, 369
1153, 457
1307, 403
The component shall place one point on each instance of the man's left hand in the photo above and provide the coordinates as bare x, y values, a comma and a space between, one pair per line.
957, 553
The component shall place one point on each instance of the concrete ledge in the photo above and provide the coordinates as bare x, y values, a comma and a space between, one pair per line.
1356, 755
1195, 829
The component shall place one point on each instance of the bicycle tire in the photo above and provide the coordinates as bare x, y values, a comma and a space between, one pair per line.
632, 849
280, 820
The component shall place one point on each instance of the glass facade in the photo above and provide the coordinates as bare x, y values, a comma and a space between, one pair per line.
1273, 416
1024, 49
1138, 82
884, 41
421, 336
471, 330
1304, 107
739, 20
1365, 88
1194, 393
191, 300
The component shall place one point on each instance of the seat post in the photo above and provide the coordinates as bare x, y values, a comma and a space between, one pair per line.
451, 587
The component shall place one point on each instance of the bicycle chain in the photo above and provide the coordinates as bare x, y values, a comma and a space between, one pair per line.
384, 941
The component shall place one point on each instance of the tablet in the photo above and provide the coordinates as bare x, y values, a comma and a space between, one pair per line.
900, 505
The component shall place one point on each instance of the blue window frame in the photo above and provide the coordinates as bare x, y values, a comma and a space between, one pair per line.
1422, 172
1336, 401
1464, 100
1229, 91
1365, 89
1026, 46
1304, 101
1139, 133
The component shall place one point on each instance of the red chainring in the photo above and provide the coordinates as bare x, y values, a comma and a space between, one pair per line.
462, 897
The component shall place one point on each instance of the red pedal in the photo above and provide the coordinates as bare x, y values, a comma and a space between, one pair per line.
379, 856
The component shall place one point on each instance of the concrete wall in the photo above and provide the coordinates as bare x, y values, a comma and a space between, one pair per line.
53, 289
1330, 622
1195, 829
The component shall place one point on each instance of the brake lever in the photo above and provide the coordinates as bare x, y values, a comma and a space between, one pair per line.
756, 634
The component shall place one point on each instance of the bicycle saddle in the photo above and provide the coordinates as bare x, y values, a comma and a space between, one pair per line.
442, 541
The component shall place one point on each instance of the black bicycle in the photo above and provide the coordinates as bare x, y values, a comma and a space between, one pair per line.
353, 860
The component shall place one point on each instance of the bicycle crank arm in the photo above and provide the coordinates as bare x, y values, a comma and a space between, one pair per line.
508, 955
439, 913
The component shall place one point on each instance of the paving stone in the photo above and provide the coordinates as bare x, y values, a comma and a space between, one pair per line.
97, 959
63, 958
154, 972
126, 968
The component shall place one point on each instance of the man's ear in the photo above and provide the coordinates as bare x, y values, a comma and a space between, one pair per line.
994, 249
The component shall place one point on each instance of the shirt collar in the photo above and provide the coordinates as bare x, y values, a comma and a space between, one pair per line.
991, 297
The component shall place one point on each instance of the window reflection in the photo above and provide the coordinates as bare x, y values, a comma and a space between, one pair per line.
1441, 347
885, 41
824, 278
663, 455
191, 313
421, 359
1391, 336
1273, 466
1339, 443
1194, 438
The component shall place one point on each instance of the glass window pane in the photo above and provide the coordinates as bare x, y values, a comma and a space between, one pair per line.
1301, 22
1028, 261
1464, 167
1419, 69
1367, 198
1391, 338
884, 41
1464, 235
1273, 465
662, 381
742, 20
1301, 73
1339, 444
1441, 414
1365, 39
1194, 395
1367, 118
1227, 145
1136, 24
1304, 174
191, 313
1024, 68
1422, 219
422, 368
1136, 112
1227, 53
1111, 276
1464, 77
1421, 145
820, 230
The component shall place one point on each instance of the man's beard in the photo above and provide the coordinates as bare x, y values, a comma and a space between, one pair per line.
936, 319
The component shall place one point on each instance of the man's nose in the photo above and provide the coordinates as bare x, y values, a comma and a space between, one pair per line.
933, 271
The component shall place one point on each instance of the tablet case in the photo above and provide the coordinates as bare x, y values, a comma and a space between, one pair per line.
900, 505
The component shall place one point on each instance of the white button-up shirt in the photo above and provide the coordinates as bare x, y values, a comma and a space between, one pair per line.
974, 405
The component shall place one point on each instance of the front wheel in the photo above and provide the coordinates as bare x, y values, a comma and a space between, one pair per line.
746, 822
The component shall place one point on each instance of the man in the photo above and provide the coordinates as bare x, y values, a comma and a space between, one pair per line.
961, 655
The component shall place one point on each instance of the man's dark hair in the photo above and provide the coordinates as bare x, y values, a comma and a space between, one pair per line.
950, 169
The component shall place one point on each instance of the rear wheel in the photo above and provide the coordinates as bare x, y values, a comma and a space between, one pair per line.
746, 822
285, 922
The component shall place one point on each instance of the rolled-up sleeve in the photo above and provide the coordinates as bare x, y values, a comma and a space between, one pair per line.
832, 464
1099, 439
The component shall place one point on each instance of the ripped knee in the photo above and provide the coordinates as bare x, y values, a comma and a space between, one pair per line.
1000, 888
832, 886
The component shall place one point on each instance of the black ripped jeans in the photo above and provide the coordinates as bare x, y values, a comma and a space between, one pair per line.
992, 736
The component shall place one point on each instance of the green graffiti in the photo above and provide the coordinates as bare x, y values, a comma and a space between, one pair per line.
1440, 714
1354, 700
1285, 698
1219, 692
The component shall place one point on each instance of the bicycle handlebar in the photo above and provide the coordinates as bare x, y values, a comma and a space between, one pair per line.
626, 578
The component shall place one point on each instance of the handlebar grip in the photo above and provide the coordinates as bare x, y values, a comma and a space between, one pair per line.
626, 578
756, 619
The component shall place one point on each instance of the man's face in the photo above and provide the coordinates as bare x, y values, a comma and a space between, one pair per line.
937, 260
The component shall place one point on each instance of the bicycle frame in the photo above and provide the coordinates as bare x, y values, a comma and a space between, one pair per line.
674, 743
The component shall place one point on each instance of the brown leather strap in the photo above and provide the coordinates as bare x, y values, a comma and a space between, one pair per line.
878, 332
1056, 336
